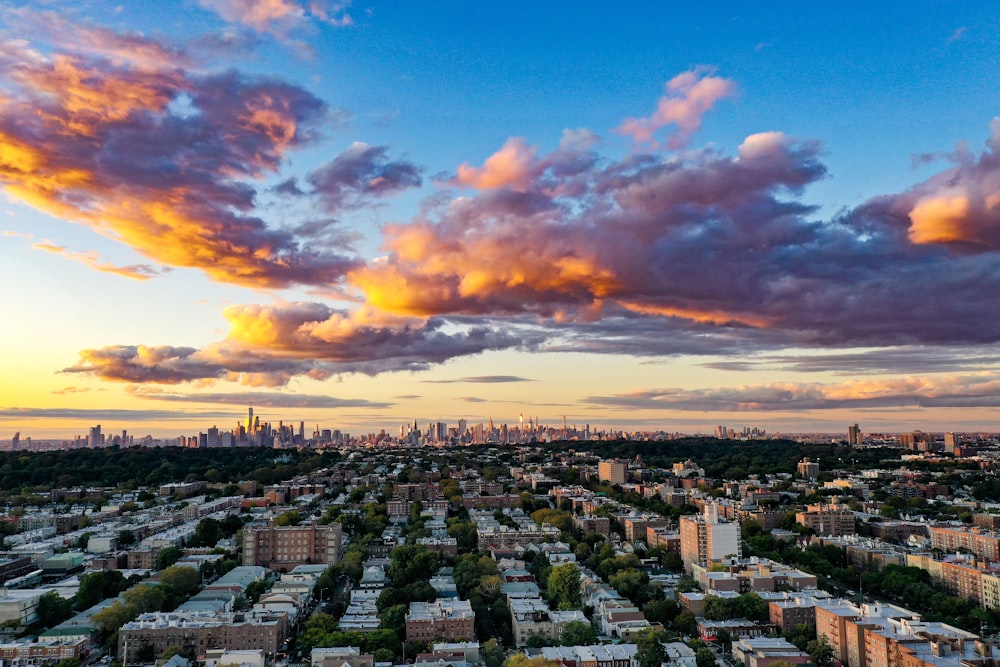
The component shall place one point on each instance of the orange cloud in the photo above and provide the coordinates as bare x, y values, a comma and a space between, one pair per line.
695, 314
974, 390
508, 167
490, 270
689, 96
93, 260
261, 15
575, 236
267, 345
939, 219
280, 17
159, 158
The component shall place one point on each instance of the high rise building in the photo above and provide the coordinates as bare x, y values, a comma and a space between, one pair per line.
706, 538
950, 442
808, 469
611, 471
95, 439
853, 435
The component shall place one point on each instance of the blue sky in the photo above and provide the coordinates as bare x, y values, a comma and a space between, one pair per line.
816, 249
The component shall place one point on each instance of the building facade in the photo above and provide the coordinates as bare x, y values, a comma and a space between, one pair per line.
282, 548
707, 538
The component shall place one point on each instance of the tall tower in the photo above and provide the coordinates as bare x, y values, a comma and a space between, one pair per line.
853, 435
250, 420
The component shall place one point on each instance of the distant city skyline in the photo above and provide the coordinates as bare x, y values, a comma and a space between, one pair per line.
360, 214
556, 429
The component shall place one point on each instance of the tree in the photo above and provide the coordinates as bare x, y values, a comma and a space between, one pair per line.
650, 651
394, 618
631, 583
255, 589
578, 633
717, 609
687, 584
661, 611
170, 652
704, 657
97, 586
145, 598
564, 586
383, 639
185, 580
168, 557
115, 616
53, 609
801, 635
685, 623
672, 561
521, 660
383, 655
317, 631
412, 563
208, 532
820, 651
289, 518
493, 653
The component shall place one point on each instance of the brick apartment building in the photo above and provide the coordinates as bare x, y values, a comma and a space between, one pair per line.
286, 547
445, 619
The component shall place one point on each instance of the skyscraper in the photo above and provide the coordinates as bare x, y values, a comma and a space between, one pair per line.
853, 435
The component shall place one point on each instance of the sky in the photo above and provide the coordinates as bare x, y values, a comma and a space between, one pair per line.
358, 215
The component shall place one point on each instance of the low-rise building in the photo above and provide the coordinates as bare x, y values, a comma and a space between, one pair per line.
196, 632
451, 620
764, 651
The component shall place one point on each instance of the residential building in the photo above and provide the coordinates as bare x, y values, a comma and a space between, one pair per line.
613, 472
198, 632
827, 519
706, 538
450, 620
983, 544
282, 548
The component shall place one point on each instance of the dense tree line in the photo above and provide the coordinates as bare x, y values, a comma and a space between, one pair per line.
143, 466
733, 459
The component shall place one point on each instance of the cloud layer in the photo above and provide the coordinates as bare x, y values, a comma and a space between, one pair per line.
269, 345
958, 391
667, 250
122, 134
